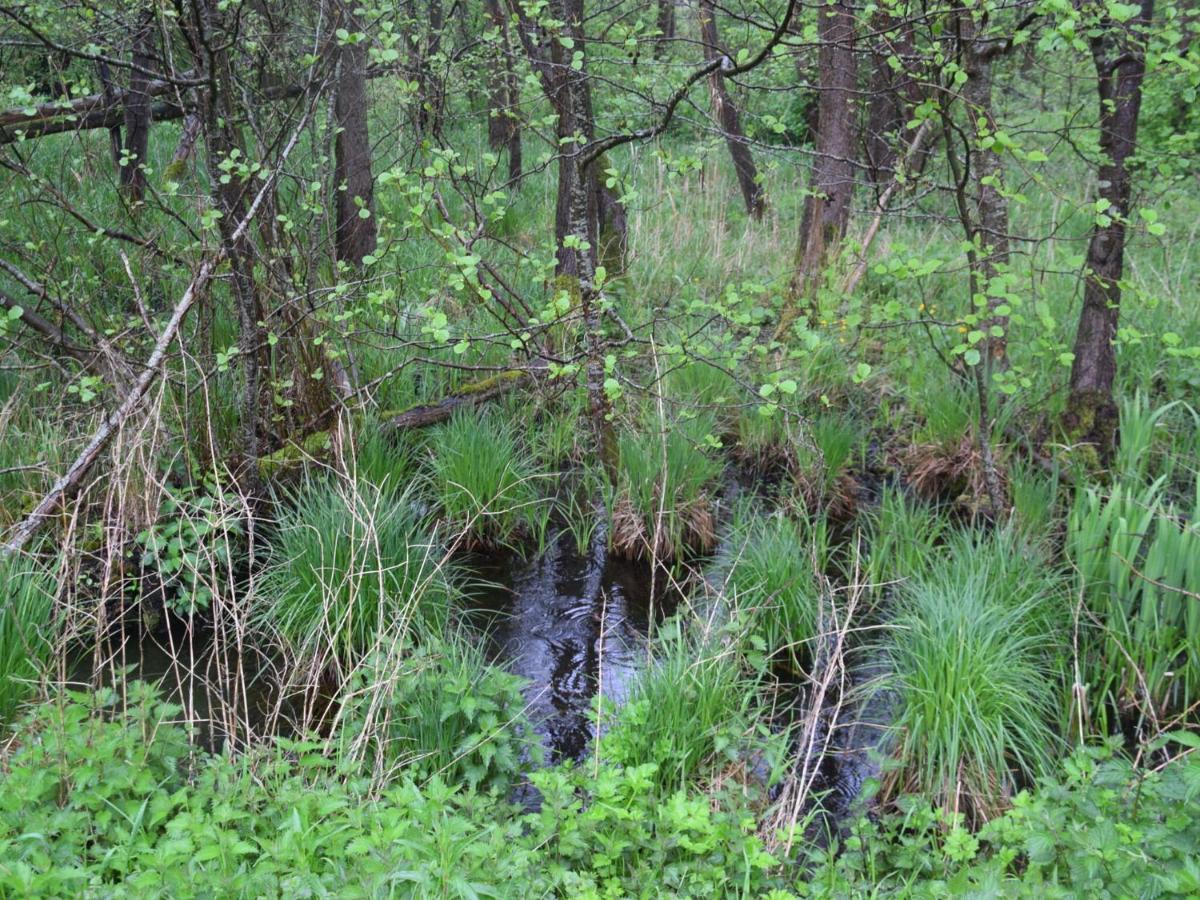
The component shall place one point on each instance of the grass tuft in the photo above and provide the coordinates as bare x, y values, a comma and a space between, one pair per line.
483, 480
352, 566
26, 603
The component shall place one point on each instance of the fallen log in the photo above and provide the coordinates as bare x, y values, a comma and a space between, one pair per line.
469, 395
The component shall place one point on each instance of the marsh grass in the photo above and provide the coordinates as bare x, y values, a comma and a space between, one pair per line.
772, 583
766, 443
352, 565
662, 506
483, 480
904, 533
1035, 498
976, 691
384, 460
26, 628
696, 386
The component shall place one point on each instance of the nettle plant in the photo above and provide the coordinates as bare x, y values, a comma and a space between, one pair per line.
191, 546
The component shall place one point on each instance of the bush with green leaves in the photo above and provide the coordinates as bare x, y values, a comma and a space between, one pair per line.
190, 548
1097, 827
352, 567
103, 798
26, 628
438, 709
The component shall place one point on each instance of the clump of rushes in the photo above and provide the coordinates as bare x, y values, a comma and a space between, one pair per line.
772, 584
823, 462
943, 462
662, 504
689, 712
483, 481
765, 443
379, 458
26, 600
352, 566
975, 687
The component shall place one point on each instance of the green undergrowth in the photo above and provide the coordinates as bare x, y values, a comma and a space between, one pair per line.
102, 798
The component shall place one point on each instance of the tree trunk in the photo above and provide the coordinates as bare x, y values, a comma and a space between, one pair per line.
110, 94
991, 219
354, 183
1119, 56
222, 137
726, 114
827, 208
430, 90
577, 222
504, 98
137, 111
666, 27
894, 94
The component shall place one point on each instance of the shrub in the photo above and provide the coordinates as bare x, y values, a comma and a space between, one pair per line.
687, 713
352, 566
439, 710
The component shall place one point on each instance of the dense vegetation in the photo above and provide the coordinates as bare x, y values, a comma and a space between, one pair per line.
516, 448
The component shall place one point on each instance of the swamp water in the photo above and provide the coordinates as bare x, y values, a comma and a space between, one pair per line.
574, 625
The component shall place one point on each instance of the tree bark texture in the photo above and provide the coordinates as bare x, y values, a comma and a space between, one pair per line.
665, 22
726, 114
353, 180
894, 94
504, 97
138, 110
1119, 57
987, 174
827, 207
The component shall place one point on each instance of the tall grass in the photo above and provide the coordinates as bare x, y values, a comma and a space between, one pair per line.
664, 481
352, 566
1137, 555
384, 460
773, 584
904, 534
482, 479
976, 691
697, 386
26, 605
